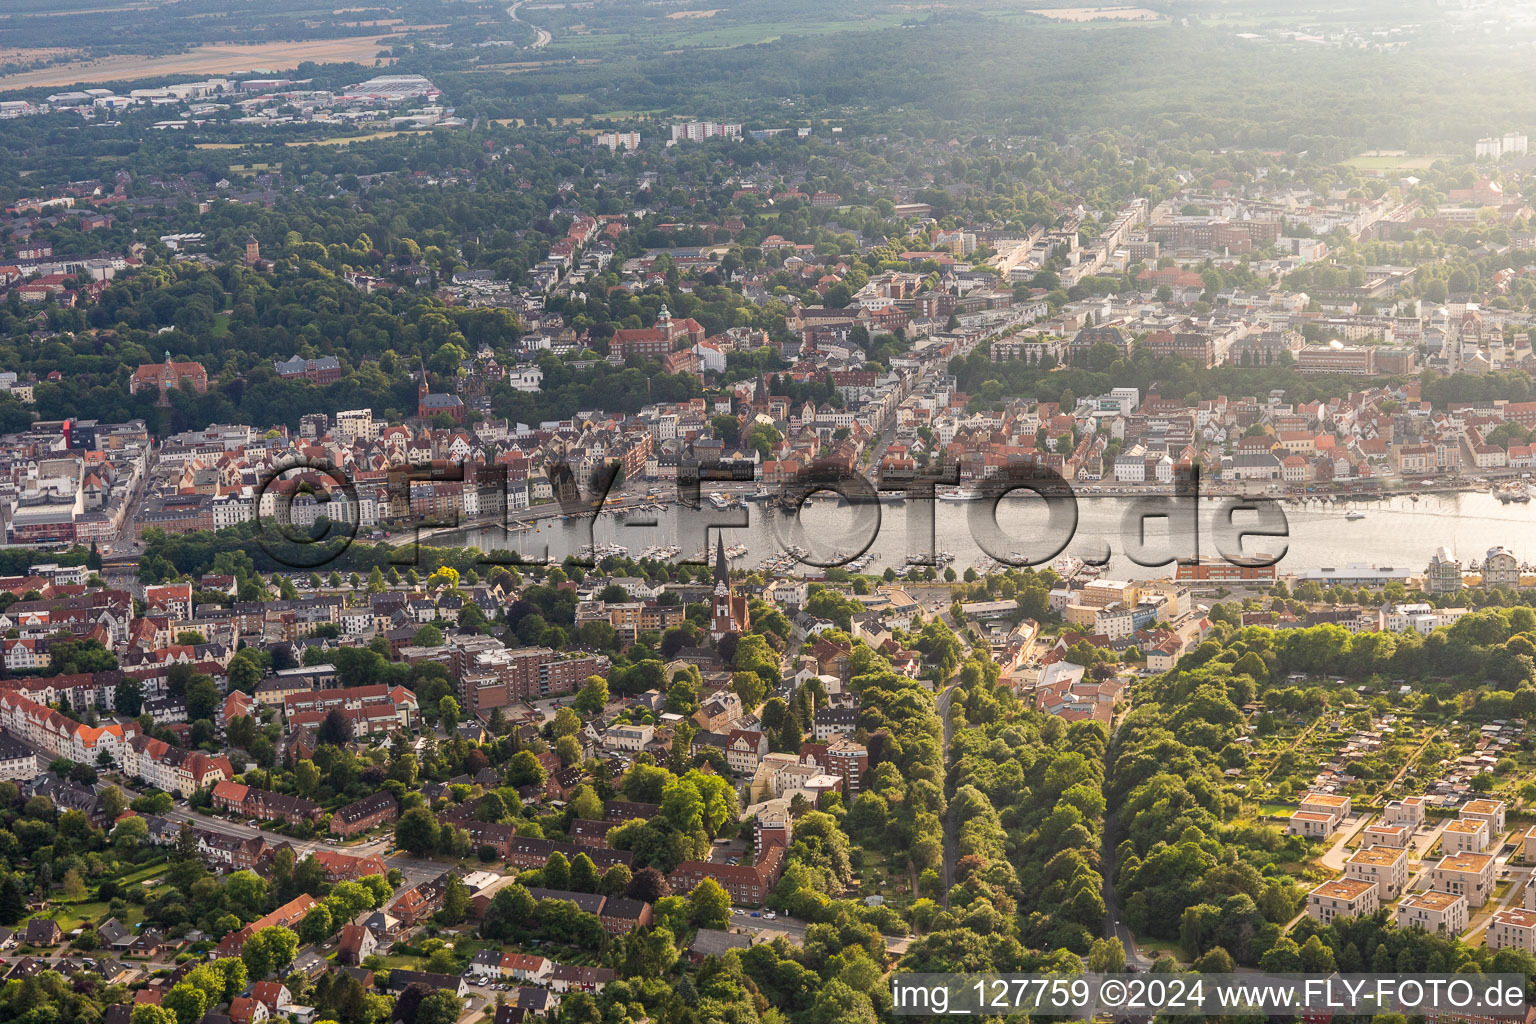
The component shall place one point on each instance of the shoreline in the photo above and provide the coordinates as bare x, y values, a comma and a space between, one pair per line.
526, 520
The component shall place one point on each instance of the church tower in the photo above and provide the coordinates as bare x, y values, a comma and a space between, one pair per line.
728, 613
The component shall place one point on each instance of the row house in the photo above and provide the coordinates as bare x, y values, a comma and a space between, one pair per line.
399, 702
364, 814
62, 736
173, 769
229, 853
745, 883
530, 852
287, 916
340, 867
264, 805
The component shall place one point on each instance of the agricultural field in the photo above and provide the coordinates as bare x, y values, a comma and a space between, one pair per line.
218, 59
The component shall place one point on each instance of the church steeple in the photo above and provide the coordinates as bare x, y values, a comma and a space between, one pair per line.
722, 569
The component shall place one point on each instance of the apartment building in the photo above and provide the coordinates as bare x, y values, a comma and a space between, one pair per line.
1514, 928
1491, 811
1396, 837
1408, 811
173, 769
1342, 897
1439, 913
61, 735
1386, 867
364, 814
1311, 824
1465, 836
1466, 874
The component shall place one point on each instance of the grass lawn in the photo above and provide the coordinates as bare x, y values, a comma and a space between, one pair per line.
410, 963
1155, 948
72, 915
1392, 163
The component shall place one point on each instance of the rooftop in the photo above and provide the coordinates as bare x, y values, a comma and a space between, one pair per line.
1378, 855
1465, 862
1431, 900
1344, 889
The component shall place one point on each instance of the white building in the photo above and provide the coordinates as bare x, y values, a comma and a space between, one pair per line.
1343, 897
1441, 913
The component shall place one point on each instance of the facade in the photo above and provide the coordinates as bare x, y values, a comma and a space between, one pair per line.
1528, 847
1311, 824
250, 802
1501, 569
17, 761
60, 735
287, 916
1327, 803
1408, 811
1444, 573
173, 769
748, 884
168, 376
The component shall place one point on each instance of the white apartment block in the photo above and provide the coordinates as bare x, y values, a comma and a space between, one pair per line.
1441, 913
59, 734
1385, 867
1515, 928
1466, 874
1327, 803
1409, 811
1343, 897
1311, 825
1396, 837
1491, 811
1465, 836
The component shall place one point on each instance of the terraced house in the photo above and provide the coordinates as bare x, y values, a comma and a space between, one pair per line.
173, 769
364, 814
263, 804
61, 735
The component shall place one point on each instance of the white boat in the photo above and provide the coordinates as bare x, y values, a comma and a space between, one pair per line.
719, 500
961, 494
1354, 515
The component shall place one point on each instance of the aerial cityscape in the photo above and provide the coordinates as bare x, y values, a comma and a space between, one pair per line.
611, 512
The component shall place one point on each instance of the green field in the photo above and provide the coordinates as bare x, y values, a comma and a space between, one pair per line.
1393, 163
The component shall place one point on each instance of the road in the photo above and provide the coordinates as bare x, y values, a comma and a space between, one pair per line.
542, 37
951, 845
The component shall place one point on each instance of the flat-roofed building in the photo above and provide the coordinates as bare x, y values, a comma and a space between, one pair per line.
1528, 848
1465, 835
1491, 811
1311, 824
1468, 874
1342, 897
1327, 803
1514, 928
1439, 913
1395, 836
1408, 811
1386, 867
